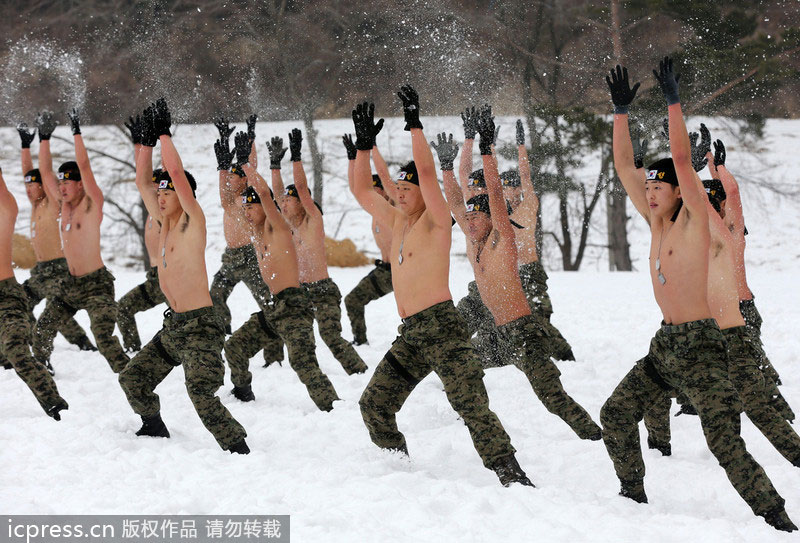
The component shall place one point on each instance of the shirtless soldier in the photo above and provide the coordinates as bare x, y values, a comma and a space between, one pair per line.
308, 233
192, 335
148, 294
378, 282
51, 269
492, 252
90, 285
689, 352
290, 313
239, 259
433, 336
15, 326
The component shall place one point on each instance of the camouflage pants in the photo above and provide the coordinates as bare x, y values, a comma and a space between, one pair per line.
46, 281
375, 285
139, 298
293, 318
239, 264
534, 283
192, 339
93, 292
254, 335
483, 333
527, 337
326, 301
690, 358
752, 319
434, 339
15, 333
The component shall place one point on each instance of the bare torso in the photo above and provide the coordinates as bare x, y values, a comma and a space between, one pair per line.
683, 255
277, 259
309, 242
80, 236
495, 267
238, 232
525, 215
421, 280
152, 232
739, 245
45, 237
383, 238
723, 295
8, 216
182, 269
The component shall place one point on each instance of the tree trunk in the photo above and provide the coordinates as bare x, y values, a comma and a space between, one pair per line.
145, 256
316, 156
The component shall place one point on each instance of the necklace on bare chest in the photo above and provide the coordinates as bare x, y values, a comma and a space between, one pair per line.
402, 242
661, 278
69, 224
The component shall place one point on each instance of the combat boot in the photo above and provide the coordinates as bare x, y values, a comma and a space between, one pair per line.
566, 356
633, 490
778, 519
244, 393
54, 410
85, 345
664, 448
508, 471
239, 448
153, 426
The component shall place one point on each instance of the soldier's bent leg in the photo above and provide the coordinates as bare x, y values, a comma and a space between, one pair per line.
140, 298
142, 375
103, 317
326, 298
638, 391
221, 288
657, 422
245, 342
386, 392
376, 284
56, 311
749, 383
294, 321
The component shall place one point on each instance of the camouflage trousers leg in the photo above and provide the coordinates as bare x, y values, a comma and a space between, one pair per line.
238, 265
657, 423
254, 335
692, 358
15, 334
326, 299
638, 392
743, 352
46, 282
376, 284
193, 340
527, 337
484, 336
140, 298
433, 340
93, 292
293, 319
534, 284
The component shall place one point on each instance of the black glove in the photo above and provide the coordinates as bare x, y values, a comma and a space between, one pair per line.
470, 118
242, 147
251, 127
224, 128
26, 136
149, 136
162, 118
486, 130
700, 150
410, 100
349, 146
520, 133
224, 154
376, 129
668, 81
365, 126
295, 144
276, 152
639, 150
719, 153
621, 92
46, 123
135, 127
447, 151
75, 121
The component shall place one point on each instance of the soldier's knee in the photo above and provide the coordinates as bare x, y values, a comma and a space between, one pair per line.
610, 413
351, 300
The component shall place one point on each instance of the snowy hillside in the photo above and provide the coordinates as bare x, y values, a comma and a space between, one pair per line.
322, 469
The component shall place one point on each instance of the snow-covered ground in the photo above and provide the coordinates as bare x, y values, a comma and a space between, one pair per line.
322, 469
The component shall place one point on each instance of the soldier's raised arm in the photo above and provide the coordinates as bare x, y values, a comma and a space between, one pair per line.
45, 124
299, 176
276, 153
389, 185
364, 122
82, 158
144, 165
447, 151
26, 136
497, 203
733, 198
526, 182
470, 119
